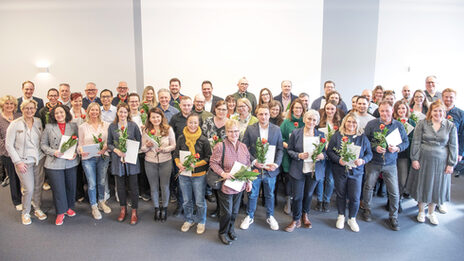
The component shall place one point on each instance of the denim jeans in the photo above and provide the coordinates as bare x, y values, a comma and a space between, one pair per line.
195, 186
268, 187
95, 171
63, 184
303, 190
325, 187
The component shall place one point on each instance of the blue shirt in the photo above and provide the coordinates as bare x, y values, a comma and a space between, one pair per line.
109, 115
458, 118
171, 111
316, 105
389, 158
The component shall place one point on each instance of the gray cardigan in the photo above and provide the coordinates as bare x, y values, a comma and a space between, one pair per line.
133, 133
50, 143
16, 138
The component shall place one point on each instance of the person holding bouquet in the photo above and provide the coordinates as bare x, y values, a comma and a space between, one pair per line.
119, 132
306, 170
61, 172
158, 142
192, 178
348, 181
257, 138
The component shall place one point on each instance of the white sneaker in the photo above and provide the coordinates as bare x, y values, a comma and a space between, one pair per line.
272, 223
96, 213
19, 207
102, 206
353, 225
39, 214
201, 229
186, 226
421, 217
340, 222
433, 219
26, 219
442, 209
247, 221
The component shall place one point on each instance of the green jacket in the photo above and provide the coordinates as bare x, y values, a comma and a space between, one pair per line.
286, 128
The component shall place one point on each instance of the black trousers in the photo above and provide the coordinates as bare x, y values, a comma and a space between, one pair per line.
80, 181
133, 187
63, 184
15, 184
229, 205
144, 186
303, 190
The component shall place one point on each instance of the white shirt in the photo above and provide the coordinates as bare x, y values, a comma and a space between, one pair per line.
363, 120
208, 104
109, 115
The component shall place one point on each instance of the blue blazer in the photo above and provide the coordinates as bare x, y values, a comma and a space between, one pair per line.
40, 105
336, 143
133, 133
279, 98
274, 138
295, 147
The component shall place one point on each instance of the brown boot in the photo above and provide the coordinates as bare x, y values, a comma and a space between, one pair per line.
306, 222
134, 218
122, 214
293, 225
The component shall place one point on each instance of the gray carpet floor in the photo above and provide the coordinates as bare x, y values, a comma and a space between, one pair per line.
83, 238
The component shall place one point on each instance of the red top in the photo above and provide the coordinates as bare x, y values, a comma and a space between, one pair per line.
62, 127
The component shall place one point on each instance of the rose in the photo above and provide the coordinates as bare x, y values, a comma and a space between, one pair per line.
74, 137
100, 139
335, 128
295, 124
142, 111
264, 141
411, 110
256, 171
450, 117
345, 139
197, 156
153, 131
323, 140
382, 126
83, 116
122, 128
403, 121
215, 138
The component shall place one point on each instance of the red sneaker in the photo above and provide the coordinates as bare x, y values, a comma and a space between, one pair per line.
70, 213
59, 220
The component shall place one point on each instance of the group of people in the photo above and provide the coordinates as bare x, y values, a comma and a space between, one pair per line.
411, 145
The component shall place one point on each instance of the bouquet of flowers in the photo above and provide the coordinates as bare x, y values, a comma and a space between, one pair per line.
318, 149
191, 159
157, 139
98, 140
121, 144
262, 146
380, 138
345, 153
413, 117
215, 140
144, 112
330, 131
404, 121
69, 143
244, 174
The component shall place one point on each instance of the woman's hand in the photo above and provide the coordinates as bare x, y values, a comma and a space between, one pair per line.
226, 175
158, 150
101, 152
303, 155
84, 154
119, 153
320, 156
259, 165
180, 167
341, 162
415, 164
358, 162
57, 153
285, 145
21, 167
380, 150
149, 144
249, 186
74, 156
449, 170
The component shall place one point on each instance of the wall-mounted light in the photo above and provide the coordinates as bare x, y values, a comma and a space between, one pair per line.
43, 66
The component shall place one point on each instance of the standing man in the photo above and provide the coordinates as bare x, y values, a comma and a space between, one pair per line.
164, 97
122, 90
431, 92
361, 112
384, 161
44, 113
304, 97
91, 92
320, 102
28, 88
65, 94
210, 99
199, 105
406, 92
108, 110
371, 106
243, 93
286, 97
264, 130
174, 89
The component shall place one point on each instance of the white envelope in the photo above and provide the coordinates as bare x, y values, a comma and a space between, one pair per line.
92, 149
155, 145
394, 138
235, 185
356, 150
270, 154
309, 147
69, 154
183, 154
132, 151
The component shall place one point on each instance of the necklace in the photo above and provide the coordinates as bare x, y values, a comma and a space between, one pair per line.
9, 118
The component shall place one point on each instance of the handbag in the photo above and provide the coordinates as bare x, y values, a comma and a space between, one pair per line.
212, 178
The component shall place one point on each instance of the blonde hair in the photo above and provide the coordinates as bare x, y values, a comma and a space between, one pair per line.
144, 96
247, 103
94, 104
6, 98
434, 105
231, 123
313, 113
27, 102
349, 115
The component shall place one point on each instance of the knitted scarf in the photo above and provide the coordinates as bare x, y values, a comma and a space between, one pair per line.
191, 139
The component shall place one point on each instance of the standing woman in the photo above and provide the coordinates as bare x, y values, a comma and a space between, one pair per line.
22, 143
95, 168
78, 117
330, 116
8, 105
231, 104
193, 141
149, 97
121, 170
244, 116
158, 159
275, 111
304, 176
348, 183
434, 153
378, 94
265, 96
337, 99
293, 120
229, 199
419, 104
61, 173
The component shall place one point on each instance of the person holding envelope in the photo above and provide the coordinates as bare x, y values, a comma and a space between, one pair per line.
348, 181
269, 133
124, 163
224, 156
434, 153
92, 146
61, 160
305, 174
22, 144
193, 182
384, 160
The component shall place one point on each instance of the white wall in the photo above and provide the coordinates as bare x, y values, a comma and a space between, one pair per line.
221, 40
82, 40
425, 36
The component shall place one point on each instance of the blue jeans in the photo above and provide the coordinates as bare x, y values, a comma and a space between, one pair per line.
95, 171
268, 187
325, 187
194, 188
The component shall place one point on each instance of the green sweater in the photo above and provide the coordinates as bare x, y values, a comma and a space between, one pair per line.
286, 128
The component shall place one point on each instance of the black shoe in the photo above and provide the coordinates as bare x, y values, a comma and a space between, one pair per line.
325, 207
456, 174
214, 214
394, 224
232, 235
178, 211
6, 181
157, 214
367, 216
400, 208
406, 196
224, 239
387, 206
210, 198
145, 197
163, 214
319, 206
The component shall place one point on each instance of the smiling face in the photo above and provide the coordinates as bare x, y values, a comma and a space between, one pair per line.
275, 111
174, 87
265, 96
233, 133
65, 92
186, 106
286, 88
361, 106
231, 105
149, 95
192, 123
438, 113
207, 90
122, 114
418, 98
221, 111
8, 106
430, 84
330, 110
29, 111
242, 109
351, 125
134, 103
406, 92
77, 103
60, 115
94, 112
28, 90
106, 98
155, 119
263, 116
242, 85
448, 99
402, 110
52, 97
310, 121
385, 111
297, 110
164, 98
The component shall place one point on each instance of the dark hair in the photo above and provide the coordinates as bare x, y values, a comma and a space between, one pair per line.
206, 82
303, 94
337, 120
230, 98
106, 90
24, 83
51, 90
193, 114
75, 95
397, 105
362, 97
290, 111
133, 95
122, 105
164, 126
219, 103
262, 106
279, 118
337, 93
66, 111
329, 81
260, 100
174, 80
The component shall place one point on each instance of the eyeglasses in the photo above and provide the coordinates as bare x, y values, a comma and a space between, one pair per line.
233, 131
221, 109
105, 97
